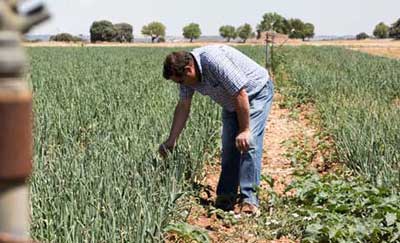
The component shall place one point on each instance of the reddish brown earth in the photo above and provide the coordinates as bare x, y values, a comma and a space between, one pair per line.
282, 127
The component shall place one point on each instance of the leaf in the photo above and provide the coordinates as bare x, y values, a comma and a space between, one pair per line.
390, 218
314, 229
269, 180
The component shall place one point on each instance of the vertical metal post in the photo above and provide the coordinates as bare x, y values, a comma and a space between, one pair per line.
269, 48
15, 122
15, 139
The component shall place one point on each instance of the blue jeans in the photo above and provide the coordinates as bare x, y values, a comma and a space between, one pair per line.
244, 169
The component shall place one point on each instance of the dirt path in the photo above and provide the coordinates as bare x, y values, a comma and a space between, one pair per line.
281, 129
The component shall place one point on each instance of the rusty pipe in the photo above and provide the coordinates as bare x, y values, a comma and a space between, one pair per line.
15, 141
15, 121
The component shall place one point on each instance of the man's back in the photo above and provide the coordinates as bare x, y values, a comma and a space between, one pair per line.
224, 71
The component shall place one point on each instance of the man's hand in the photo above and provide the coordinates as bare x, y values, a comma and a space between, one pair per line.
165, 148
181, 114
242, 108
243, 141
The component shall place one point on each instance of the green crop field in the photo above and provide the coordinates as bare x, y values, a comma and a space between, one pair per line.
100, 114
357, 96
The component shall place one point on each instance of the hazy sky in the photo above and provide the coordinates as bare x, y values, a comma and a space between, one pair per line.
330, 17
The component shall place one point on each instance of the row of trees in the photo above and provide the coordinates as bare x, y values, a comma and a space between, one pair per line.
156, 31
295, 28
382, 31
229, 32
106, 31
122, 32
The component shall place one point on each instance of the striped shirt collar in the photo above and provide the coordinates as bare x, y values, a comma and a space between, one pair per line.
197, 59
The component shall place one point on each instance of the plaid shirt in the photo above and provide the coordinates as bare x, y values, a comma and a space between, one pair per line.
224, 72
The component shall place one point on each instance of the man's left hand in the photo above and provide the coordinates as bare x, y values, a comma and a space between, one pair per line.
243, 141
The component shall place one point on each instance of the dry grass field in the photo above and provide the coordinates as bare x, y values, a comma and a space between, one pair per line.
387, 48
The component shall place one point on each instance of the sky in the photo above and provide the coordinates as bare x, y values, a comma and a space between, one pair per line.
330, 17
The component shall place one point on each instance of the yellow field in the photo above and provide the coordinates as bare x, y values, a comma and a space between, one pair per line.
388, 48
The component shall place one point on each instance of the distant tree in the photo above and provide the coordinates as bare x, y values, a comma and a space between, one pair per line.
65, 37
308, 30
297, 29
154, 30
228, 32
102, 31
191, 31
124, 32
381, 31
273, 22
362, 36
244, 32
394, 31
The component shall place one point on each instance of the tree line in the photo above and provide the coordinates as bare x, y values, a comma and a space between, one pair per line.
383, 31
105, 31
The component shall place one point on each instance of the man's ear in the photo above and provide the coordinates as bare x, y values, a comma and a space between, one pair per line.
188, 69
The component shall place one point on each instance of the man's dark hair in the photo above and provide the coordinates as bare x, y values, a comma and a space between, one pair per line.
175, 63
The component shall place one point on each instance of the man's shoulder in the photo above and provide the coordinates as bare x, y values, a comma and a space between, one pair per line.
207, 54
207, 49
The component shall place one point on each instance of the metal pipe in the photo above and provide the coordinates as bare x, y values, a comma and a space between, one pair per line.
14, 213
15, 122
15, 140
269, 46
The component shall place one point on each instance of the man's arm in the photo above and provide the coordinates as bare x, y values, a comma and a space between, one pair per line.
242, 108
181, 115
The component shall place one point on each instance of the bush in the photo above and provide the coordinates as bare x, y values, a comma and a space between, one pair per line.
362, 36
65, 37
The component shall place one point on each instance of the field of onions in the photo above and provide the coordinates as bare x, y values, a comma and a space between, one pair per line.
358, 97
100, 114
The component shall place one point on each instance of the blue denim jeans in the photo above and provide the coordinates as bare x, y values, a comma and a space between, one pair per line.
243, 170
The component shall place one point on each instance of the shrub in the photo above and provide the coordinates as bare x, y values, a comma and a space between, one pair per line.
65, 37
362, 36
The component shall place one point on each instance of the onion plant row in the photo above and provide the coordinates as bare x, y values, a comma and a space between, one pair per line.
99, 115
358, 96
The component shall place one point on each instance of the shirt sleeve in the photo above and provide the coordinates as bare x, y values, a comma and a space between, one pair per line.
185, 92
225, 71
